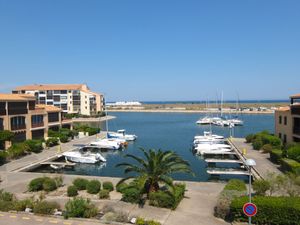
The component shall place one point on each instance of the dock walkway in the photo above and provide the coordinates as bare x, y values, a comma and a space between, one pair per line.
263, 164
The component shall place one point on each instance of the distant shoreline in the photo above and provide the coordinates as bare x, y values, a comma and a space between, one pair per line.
186, 111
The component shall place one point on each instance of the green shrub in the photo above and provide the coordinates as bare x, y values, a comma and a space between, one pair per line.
225, 198
271, 210
162, 199
72, 191
140, 221
267, 148
45, 207
34, 145
6, 196
235, 184
21, 205
6, 206
3, 156
131, 195
179, 190
49, 184
290, 165
63, 138
104, 194
249, 138
52, 141
80, 183
6, 135
17, 150
107, 185
261, 187
152, 222
79, 207
271, 139
257, 143
294, 153
121, 187
93, 187
276, 155
36, 184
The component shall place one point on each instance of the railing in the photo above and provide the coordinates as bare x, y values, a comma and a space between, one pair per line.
19, 127
34, 125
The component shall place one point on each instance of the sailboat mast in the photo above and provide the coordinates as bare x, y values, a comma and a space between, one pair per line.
106, 118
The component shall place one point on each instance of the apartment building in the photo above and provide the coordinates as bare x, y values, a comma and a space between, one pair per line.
71, 98
287, 121
20, 114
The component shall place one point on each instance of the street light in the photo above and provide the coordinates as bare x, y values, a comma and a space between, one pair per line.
250, 163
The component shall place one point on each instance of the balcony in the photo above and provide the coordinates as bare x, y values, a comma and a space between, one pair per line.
295, 109
296, 130
35, 125
18, 127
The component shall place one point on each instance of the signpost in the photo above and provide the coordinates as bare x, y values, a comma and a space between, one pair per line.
249, 210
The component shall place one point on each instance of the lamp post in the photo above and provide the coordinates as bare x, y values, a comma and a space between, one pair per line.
250, 163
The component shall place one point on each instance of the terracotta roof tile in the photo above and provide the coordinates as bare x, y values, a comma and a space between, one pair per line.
295, 96
45, 87
16, 97
48, 108
283, 109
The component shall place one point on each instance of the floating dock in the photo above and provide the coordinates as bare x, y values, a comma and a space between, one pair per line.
227, 172
58, 163
224, 161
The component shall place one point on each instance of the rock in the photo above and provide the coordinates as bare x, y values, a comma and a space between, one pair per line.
28, 210
133, 220
57, 213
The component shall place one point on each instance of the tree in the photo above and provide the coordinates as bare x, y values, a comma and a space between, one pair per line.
5, 135
155, 169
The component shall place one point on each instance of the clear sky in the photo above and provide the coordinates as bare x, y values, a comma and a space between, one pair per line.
154, 49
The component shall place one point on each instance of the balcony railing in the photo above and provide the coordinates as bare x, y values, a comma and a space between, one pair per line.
34, 125
18, 127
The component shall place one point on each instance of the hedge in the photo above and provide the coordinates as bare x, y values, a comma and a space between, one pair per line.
271, 210
80, 183
43, 183
93, 187
72, 191
132, 195
107, 185
79, 207
276, 156
235, 184
294, 153
290, 165
34, 145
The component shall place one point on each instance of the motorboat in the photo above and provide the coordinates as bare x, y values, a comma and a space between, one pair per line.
212, 146
236, 122
121, 134
107, 144
83, 156
213, 151
208, 141
204, 121
207, 135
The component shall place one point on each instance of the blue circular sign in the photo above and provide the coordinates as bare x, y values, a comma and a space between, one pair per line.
250, 209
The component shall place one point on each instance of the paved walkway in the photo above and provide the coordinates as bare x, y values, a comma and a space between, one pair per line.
263, 164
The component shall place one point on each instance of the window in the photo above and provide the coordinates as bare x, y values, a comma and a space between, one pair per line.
56, 98
42, 92
280, 119
64, 92
17, 123
285, 120
56, 92
284, 138
53, 117
280, 135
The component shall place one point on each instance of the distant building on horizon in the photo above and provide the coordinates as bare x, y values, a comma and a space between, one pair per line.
287, 121
20, 114
71, 98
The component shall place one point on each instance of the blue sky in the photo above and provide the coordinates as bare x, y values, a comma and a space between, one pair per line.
154, 49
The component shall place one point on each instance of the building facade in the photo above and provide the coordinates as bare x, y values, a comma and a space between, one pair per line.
20, 114
71, 98
287, 121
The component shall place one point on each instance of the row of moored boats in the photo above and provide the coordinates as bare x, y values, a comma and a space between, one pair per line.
209, 143
92, 153
220, 121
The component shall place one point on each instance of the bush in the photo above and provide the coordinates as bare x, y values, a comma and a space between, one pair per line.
72, 191
271, 210
267, 148
162, 199
3, 156
63, 138
79, 207
131, 195
179, 190
93, 187
249, 138
6, 196
49, 184
104, 194
276, 155
21, 205
107, 185
45, 208
225, 198
6, 206
257, 143
235, 184
141, 221
34, 145
121, 187
17, 150
80, 183
36, 184
290, 165
52, 141
261, 187
294, 153
6, 135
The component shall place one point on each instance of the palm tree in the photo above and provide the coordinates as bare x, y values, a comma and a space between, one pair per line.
155, 169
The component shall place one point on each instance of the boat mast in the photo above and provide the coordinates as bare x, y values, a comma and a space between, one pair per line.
106, 119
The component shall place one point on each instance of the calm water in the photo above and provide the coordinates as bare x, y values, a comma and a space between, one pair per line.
167, 131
